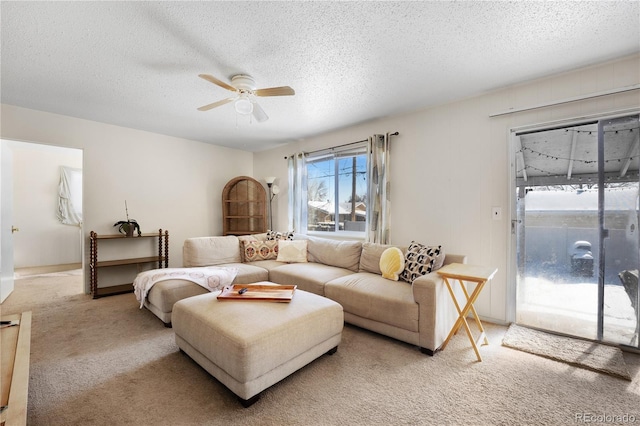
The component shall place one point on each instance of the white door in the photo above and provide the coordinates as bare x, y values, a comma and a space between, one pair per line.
6, 221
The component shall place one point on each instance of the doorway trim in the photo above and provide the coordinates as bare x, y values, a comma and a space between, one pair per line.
13, 142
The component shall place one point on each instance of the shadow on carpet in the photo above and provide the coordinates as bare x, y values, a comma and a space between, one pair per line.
578, 353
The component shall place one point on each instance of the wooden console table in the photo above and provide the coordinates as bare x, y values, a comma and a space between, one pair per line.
162, 258
14, 380
471, 273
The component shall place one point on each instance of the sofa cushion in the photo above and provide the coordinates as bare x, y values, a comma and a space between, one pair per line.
370, 296
370, 257
419, 260
292, 251
266, 264
208, 251
259, 250
309, 277
242, 239
342, 254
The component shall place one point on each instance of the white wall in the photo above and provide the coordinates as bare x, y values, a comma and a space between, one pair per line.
450, 164
168, 182
42, 239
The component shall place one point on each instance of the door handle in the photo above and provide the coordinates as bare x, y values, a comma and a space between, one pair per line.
14, 229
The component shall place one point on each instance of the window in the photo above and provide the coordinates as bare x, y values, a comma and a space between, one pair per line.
344, 189
337, 191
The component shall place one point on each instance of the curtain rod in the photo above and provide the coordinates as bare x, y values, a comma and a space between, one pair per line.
568, 100
343, 145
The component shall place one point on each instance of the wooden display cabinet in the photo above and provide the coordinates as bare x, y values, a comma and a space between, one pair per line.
244, 207
162, 259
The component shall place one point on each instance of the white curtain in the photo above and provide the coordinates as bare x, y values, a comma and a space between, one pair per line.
297, 193
379, 194
70, 196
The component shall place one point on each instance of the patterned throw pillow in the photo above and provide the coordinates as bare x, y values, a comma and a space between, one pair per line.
242, 239
259, 250
274, 235
419, 260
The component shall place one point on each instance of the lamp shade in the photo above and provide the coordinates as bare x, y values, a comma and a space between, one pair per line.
243, 106
270, 180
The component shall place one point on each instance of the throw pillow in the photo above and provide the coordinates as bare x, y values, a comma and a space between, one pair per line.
292, 251
419, 260
391, 263
260, 250
242, 239
439, 261
274, 235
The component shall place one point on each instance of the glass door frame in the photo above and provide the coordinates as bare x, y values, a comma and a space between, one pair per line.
512, 246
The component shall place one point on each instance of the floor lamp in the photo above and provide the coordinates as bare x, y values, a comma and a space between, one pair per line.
273, 191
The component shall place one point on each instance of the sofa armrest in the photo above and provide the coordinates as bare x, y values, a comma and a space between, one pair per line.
209, 251
454, 258
437, 313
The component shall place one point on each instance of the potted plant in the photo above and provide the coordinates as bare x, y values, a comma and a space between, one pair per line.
127, 227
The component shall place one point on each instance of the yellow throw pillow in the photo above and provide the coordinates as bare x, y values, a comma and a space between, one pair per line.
391, 263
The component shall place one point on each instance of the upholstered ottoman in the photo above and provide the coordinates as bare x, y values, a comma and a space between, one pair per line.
251, 345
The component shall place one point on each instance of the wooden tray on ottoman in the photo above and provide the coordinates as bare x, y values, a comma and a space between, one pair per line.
258, 292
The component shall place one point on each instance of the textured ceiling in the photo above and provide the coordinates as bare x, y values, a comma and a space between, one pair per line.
136, 64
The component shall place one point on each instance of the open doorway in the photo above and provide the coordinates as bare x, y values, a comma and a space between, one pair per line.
42, 242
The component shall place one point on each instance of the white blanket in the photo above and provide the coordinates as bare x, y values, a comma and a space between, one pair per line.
210, 277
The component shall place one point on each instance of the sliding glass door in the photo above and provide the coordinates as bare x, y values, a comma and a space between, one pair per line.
619, 149
576, 229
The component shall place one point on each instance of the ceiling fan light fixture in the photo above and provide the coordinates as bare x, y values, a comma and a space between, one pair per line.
243, 105
245, 91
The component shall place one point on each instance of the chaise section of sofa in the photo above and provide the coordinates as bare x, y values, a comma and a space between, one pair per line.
202, 251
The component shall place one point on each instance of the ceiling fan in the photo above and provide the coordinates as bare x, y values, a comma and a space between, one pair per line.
244, 100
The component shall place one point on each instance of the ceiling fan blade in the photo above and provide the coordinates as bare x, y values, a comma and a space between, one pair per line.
214, 80
275, 91
258, 113
216, 104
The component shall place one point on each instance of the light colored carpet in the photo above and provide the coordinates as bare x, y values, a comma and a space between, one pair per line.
106, 362
576, 352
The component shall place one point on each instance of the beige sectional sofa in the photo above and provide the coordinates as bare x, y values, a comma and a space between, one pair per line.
347, 272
